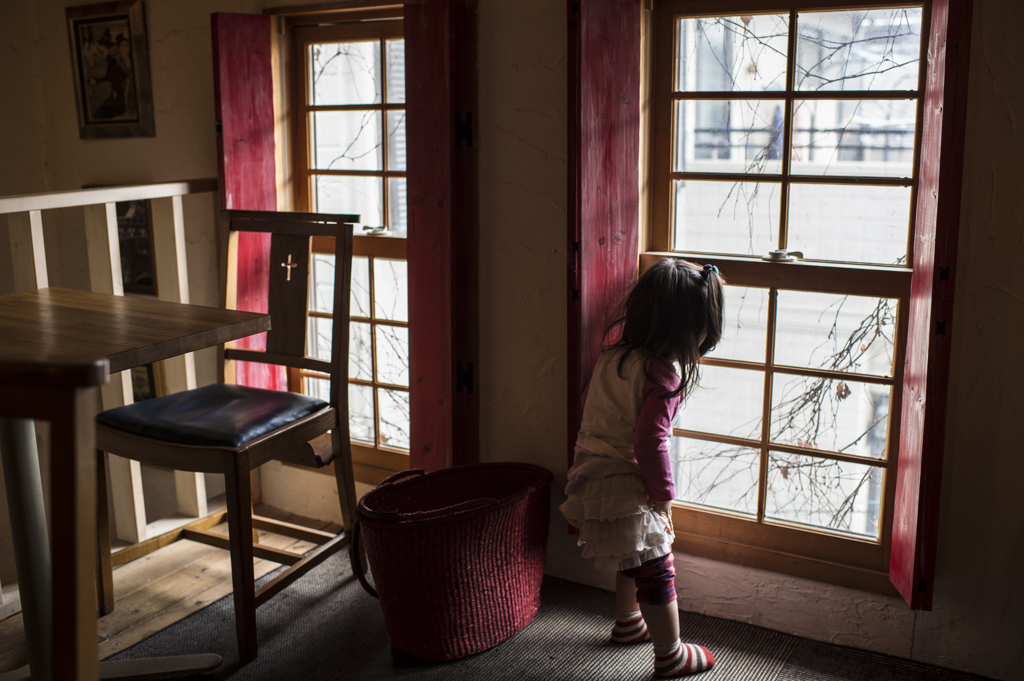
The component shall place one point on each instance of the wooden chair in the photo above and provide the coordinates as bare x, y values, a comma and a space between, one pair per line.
232, 429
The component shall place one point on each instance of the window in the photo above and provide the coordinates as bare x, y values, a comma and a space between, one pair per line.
785, 151
349, 151
609, 144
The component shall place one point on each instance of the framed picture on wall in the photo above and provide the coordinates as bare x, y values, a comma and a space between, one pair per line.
110, 64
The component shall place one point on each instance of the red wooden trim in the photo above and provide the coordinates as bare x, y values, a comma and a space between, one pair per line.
244, 100
604, 196
575, 378
464, 244
926, 377
437, 246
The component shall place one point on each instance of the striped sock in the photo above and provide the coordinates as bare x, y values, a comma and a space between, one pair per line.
681, 659
629, 628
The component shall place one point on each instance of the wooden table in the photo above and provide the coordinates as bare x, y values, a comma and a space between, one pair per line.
128, 332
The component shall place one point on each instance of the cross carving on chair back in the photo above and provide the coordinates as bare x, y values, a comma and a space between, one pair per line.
289, 265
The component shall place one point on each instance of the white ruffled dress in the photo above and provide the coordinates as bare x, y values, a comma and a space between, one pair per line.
607, 497
617, 523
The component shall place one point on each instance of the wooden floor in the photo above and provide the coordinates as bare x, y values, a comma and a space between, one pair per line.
159, 589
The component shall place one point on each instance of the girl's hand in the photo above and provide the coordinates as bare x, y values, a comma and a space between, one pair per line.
664, 509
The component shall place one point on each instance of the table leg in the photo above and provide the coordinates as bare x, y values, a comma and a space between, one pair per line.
28, 524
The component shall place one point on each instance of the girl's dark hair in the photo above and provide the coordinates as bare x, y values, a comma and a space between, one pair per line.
667, 309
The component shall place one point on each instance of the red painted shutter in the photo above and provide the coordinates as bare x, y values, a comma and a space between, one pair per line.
439, 128
926, 375
244, 100
604, 195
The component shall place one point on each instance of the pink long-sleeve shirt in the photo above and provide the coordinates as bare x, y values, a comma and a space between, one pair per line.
626, 418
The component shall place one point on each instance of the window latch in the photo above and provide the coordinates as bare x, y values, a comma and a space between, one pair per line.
782, 255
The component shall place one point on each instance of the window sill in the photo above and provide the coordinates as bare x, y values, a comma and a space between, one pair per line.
369, 466
862, 579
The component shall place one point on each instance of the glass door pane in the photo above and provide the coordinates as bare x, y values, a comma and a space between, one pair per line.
834, 495
740, 218
344, 73
732, 53
716, 475
859, 50
835, 332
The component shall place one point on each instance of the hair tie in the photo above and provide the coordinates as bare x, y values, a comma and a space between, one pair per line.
709, 268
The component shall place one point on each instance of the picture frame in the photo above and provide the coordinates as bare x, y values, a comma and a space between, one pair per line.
110, 66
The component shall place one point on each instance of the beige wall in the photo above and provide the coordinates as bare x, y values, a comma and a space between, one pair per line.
977, 624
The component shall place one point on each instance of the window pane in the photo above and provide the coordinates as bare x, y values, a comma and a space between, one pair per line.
396, 71
360, 351
345, 73
360, 413
321, 283
739, 218
398, 207
318, 338
396, 140
359, 301
858, 50
347, 140
363, 196
714, 474
849, 417
391, 289
732, 53
740, 389
834, 332
745, 326
319, 388
729, 136
849, 223
394, 418
874, 138
393, 354
822, 493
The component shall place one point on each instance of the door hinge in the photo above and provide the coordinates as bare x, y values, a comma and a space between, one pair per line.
464, 377
464, 129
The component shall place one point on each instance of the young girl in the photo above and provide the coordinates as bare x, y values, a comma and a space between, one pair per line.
620, 486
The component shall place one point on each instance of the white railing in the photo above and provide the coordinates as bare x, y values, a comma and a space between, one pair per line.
24, 215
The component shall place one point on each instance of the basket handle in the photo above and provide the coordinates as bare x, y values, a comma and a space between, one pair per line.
392, 479
357, 563
388, 516
455, 509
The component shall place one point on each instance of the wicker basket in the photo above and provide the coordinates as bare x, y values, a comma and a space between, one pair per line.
457, 555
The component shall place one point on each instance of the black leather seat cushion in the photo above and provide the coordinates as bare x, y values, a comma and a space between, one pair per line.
219, 415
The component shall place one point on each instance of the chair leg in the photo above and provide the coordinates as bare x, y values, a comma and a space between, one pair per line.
104, 567
344, 478
255, 532
239, 499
